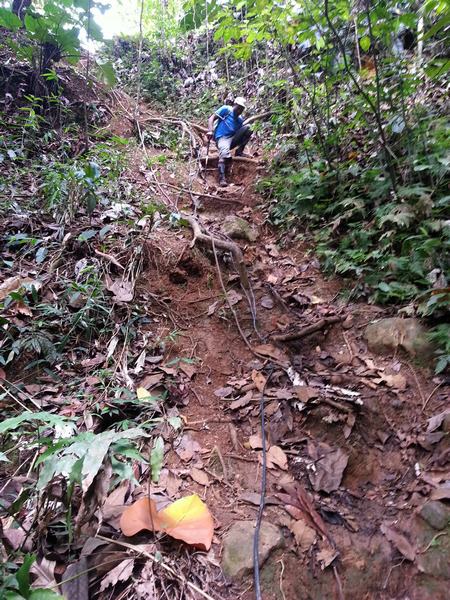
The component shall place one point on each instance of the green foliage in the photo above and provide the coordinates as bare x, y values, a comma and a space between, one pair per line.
15, 582
441, 337
157, 458
81, 457
26, 417
52, 31
81, 313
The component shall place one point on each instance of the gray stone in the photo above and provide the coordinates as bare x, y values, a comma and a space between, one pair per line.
237, 228
387, 335
237, 558
436, 514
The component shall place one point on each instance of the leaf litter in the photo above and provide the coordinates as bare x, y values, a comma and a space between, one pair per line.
296, 434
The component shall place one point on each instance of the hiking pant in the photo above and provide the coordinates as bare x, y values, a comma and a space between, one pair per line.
239, 140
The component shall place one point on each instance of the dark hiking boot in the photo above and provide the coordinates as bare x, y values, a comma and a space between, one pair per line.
240, 152
222, 179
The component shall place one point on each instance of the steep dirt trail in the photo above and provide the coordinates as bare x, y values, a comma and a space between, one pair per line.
350, 425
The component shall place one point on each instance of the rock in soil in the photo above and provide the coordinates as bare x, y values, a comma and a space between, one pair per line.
240, 229
237, 559
436, 514
387, 335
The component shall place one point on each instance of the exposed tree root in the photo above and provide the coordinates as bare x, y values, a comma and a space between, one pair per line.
299, 334
222, 244
240, 159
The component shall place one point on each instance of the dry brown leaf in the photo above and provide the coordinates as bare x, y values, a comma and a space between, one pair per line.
399, 540
150, 381
122, 572
188, 369
187, 519
259, 380
45, 574
199, 476
23, 309
436, 420
255, 442
305, 536
326, 556
122, 290
273, 352
397, 381
300, 506
114, 504
255, 499
14, 538
75, 584
241, 402
327, 468
441, 493
272, 250
276, 458
305, 393
187, 448
94, 493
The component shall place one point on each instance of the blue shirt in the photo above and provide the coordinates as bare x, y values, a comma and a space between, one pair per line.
228, 122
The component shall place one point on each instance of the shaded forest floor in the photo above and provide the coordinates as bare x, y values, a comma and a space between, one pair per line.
361, 438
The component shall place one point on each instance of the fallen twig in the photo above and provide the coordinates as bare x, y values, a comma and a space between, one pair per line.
157, 561
431, 395
110, 258
299, 334
202, 194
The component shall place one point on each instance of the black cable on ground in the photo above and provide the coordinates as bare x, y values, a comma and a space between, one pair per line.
263, 493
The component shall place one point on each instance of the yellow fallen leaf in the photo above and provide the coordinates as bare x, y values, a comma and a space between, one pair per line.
187, 519
145, 395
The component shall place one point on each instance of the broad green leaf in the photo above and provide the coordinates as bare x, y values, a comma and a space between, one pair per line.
157, 458
440, 24
87, 235
438, 68
108, 73
97, 451
175, 422
41, 594
384, 287
23, 574
9, 20
441, 365
10, 595
45, 417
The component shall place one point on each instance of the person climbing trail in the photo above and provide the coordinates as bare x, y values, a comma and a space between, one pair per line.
227, 128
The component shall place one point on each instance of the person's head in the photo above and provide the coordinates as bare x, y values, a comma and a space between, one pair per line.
239, 105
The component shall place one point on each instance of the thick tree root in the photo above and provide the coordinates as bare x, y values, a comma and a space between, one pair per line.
298, 335
222, 244
238, 159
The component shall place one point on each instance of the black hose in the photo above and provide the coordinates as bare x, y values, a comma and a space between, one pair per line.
262, 499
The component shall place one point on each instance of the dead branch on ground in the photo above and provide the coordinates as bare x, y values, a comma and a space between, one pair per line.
299, 334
